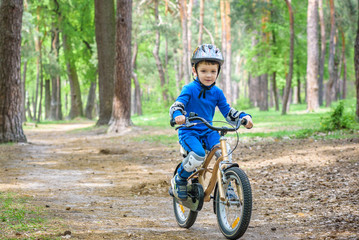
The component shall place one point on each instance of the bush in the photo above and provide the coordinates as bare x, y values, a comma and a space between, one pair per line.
243, 104
337, 119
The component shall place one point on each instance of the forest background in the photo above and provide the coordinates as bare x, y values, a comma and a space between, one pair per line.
277, 53
124, 62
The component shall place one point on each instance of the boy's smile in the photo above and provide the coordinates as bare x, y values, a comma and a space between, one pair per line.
207, 73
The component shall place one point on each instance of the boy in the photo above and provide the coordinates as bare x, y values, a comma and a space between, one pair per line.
200, 96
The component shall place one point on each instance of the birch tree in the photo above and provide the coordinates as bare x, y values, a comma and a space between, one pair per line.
186, 57
312, 55
329, 95
226, 47
291, 56
322, 51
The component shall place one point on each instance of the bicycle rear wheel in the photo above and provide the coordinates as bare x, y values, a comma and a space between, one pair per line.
184, 216
234, 214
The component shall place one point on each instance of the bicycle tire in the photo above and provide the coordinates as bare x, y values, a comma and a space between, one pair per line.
185, 217
234, 227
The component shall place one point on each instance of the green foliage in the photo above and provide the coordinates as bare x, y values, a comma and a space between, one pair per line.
337, 119
243, 104
260, 37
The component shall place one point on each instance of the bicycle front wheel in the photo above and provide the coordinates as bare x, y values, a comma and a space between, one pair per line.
234, 213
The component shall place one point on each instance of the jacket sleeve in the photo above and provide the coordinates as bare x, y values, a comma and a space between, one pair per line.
184, 98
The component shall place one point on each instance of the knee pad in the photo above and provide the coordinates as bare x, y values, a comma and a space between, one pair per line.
192, 161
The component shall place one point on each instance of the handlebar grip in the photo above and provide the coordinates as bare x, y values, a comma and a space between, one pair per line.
172, 122
244, 121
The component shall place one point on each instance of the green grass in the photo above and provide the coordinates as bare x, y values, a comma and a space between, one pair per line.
161, 120
297, 123
161, 139
17, 215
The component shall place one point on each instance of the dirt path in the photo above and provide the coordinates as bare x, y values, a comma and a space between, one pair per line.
99, 186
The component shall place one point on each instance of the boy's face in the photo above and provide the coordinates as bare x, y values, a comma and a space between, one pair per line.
207, 73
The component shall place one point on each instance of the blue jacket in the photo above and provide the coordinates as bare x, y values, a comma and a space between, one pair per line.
203, 102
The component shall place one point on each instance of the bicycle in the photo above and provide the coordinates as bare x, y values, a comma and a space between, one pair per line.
232, 191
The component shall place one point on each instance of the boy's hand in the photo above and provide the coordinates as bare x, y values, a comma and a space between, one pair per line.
249, 124
180, 120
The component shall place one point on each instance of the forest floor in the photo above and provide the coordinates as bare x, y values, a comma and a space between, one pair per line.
93, 185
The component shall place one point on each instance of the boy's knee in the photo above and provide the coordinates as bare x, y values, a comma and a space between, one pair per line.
200, 152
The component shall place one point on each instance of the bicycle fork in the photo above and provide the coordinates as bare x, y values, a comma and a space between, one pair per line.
222, 141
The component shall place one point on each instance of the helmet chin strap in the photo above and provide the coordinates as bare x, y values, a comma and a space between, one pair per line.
204, 88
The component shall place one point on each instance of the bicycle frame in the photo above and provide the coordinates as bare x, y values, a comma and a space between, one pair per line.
216, 171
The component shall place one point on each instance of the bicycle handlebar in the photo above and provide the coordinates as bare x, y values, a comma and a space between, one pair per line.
192, 117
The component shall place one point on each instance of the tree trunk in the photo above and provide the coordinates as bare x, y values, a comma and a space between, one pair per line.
224, 48
56, 106
312, 53
10, 64
178, 70
201, 19
189, 33
38, 64
337, 87
121, 114
76, 102
298, 87
137, 99
91, 100
155, 53
291, 56
253, 82
275, 90
356, 65
344, 62
331, 63
322, 52
263, 86
47, 99
37, 83
41, 86
274, 74
29, 108
23, 92
228, 51
105, 39
186, 57
54, 87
